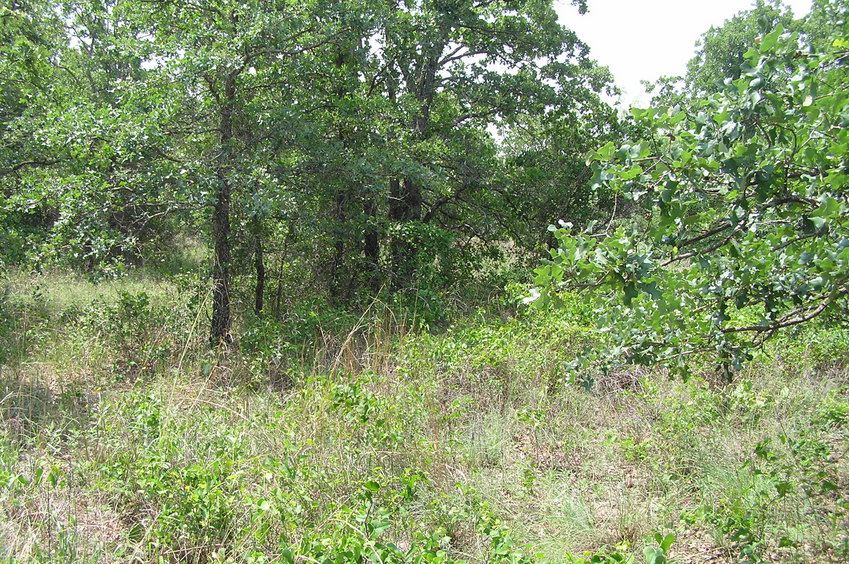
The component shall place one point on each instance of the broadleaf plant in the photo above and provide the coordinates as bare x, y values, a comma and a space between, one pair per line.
742, 228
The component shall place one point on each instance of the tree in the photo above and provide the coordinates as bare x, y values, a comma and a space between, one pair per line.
545, 177
354, 138
26, 44
825, 19
451, 68
78, 147
744, 230
239, 70
720, 53
721, 49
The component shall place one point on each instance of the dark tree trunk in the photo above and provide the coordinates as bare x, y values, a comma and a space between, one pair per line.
259, 267
371, 244
405, 207
278, 299
337, 293
222, 315
396, 216
412, 203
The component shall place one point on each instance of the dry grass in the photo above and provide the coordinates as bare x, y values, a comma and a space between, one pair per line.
207, 455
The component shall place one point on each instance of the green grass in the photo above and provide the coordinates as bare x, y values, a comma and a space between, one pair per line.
123, 438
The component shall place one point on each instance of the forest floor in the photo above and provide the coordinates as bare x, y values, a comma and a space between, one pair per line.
124, 438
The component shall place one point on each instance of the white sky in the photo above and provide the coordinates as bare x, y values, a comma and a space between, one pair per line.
646, 39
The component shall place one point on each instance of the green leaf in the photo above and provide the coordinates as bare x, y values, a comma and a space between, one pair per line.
631, 173
771, 39
749, 227
603, 153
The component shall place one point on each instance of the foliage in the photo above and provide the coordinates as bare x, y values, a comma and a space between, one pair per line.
335, 148
418, 446
545, 175
744, 227
72, 155
721, 50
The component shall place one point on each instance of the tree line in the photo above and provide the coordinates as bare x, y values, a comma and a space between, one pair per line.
396, 146
374, 144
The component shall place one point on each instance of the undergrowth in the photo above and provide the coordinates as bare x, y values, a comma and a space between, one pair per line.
332, 438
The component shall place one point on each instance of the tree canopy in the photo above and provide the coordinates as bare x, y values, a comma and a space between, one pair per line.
356, 138
344, 149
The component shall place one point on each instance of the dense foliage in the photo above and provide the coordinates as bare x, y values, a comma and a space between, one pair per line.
351, 142
743, 229
345, 198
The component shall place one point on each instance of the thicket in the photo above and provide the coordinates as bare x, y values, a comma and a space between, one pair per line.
335, 148
348, 199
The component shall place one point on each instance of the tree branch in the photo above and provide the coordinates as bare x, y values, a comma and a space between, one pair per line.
791, 318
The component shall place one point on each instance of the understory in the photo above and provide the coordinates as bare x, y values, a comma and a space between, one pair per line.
323, 437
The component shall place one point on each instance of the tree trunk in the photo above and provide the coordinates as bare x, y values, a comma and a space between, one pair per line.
222, 315
278, 299
337, 293
405, 207
259, 267
371, 244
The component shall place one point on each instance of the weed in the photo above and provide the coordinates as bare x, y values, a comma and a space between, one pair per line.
333, 438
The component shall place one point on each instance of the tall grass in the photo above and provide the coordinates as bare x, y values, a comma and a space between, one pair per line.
338, 438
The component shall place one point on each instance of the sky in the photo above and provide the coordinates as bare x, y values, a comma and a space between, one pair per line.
646, 39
